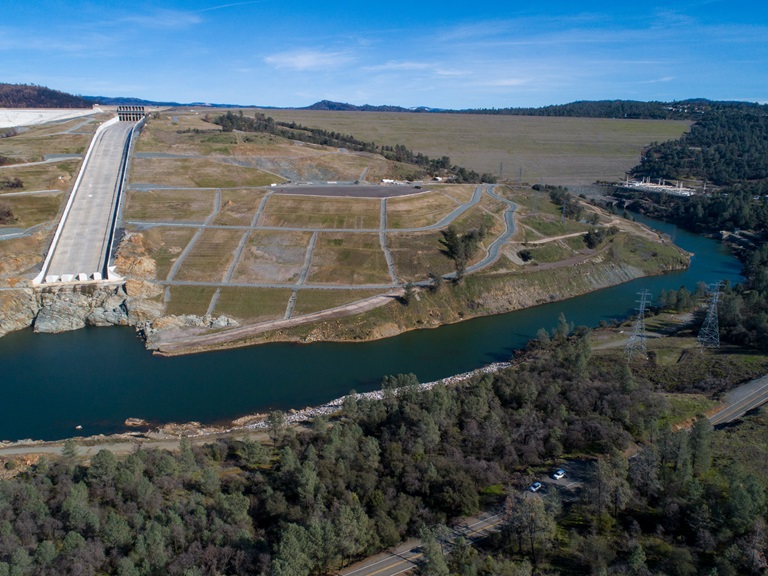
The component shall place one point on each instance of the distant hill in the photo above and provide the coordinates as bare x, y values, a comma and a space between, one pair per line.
680, 110
127, 101
32, 96
343, 106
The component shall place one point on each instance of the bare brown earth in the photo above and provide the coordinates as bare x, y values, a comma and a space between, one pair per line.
223, 247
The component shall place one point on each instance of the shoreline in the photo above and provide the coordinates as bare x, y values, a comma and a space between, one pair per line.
249, 423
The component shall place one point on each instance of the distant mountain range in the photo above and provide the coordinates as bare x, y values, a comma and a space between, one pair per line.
33, 96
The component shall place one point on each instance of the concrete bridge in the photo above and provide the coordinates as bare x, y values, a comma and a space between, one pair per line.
82, 245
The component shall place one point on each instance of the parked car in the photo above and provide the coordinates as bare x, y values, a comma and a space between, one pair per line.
559, 474
535, 487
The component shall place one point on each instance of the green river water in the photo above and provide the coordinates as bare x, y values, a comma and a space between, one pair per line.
98, 377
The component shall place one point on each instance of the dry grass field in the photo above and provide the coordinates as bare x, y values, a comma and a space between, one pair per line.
164, 245
419, 210
416, 255
288, 211
22, 254
309, 301
189, 300
169, 205
272, 257
31, 144
238, 207
347, 258
556, 150
251, 305
33, 209
197, 173
49, 176
211, 256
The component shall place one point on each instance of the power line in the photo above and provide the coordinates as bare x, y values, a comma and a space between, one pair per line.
636, 341
709, 335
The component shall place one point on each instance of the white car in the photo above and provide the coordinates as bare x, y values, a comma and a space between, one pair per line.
559, 474
535, 487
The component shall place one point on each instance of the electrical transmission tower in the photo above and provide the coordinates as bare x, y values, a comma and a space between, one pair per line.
636, 342
709, 335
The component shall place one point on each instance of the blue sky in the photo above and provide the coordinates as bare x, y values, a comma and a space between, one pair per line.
440, 54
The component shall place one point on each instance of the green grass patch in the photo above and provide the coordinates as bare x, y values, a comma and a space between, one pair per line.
549, 252
684, 407
189, 300
358, 260
416, 255
251, 305
33, 209
309, 301
211, 255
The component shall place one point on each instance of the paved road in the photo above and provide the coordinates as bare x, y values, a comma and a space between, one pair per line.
83, 243
406, 557
741, 400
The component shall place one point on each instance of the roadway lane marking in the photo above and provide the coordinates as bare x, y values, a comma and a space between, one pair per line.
737, 406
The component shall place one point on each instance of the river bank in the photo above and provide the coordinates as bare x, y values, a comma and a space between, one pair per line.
505, 288
168, 435
97, 378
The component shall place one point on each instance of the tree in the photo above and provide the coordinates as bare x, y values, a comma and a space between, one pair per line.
408, 293
292, 553
701, 445
69, 450
527, 518
436, 282
434, 559
276, 420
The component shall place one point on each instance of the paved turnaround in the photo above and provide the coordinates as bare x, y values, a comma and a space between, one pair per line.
83, 240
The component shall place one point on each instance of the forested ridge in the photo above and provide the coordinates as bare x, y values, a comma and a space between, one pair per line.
309, 503
32, 96
398, 153
727, 145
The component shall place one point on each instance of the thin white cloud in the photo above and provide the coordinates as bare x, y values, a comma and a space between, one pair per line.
163, 19
451, 72
231, 5
657, 80
308, 60
502, 82
395, 65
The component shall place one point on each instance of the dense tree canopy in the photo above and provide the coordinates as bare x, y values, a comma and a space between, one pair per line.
727, 144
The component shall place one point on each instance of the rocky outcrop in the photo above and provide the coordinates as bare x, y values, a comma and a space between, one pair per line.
18, 309
132, 259
69, 308
54, 309
188, 324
